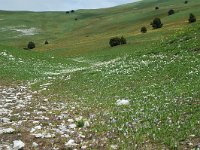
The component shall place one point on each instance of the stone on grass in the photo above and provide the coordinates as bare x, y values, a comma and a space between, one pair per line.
18, 144
34, 144
70, 143
122, 102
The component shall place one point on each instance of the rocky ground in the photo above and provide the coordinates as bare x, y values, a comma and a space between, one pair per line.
31, 122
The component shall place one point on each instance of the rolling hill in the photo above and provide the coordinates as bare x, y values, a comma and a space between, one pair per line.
78, 92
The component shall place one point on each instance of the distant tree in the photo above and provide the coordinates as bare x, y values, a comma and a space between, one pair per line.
156, 23
115, 41
143, 30
156, 8
123, 40
67, 12
192, 18
46, 42
72, 11
31, 45
186, 2
171, 12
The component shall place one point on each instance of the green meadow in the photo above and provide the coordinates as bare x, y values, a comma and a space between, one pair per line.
157, 72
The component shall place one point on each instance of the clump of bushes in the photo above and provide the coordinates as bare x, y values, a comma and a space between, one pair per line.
156, 8
72, 11
171, 12
192, 18
67, 12
186, 2
31, 45
76, 19
156, 23
143, 30
117, 41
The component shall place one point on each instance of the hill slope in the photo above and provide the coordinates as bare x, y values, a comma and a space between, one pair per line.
68, 93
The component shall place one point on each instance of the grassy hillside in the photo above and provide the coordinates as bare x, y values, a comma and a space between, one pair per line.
77, 75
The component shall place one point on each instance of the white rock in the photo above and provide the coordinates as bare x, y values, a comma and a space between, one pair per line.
72, 126
113, 146
70, 143
5, 120
83, 147
8, 130
34, 144
18, 144
70, 120
122, 102
86, 124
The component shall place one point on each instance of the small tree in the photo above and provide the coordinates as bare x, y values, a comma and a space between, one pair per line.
31, 45
67, 12
192, 18
72, 11
115, 41
143, 30
46, 42
171, 12
156, 8
123, 40
156, 23
186, 2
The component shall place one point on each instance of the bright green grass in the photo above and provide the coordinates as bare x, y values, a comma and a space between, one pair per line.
158, 71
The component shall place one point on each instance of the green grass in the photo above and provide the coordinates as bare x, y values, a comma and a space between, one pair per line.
157, 71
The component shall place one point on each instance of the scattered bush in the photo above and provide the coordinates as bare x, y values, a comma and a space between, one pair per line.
171, 12
76, 19
156, 23
80, 123
67, 12
117, 41
192, 18
186, 2
72, 11
143, 30
46, 42
156, 8
31, 45
123, 40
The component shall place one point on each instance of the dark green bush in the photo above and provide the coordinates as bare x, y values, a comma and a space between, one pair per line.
156, 8
67, 12
171, 12
192, 18
117, 41
186, 2
72, 11
143, 30
156, 23
31, 45
46, 42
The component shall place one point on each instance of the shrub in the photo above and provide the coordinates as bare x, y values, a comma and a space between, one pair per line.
186, 2
46, 42
31, 45
156, 23
171, 12
143, 30
72, 11
192, 18
156, 8
123, 40
67, 12
76, 19
117, 41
